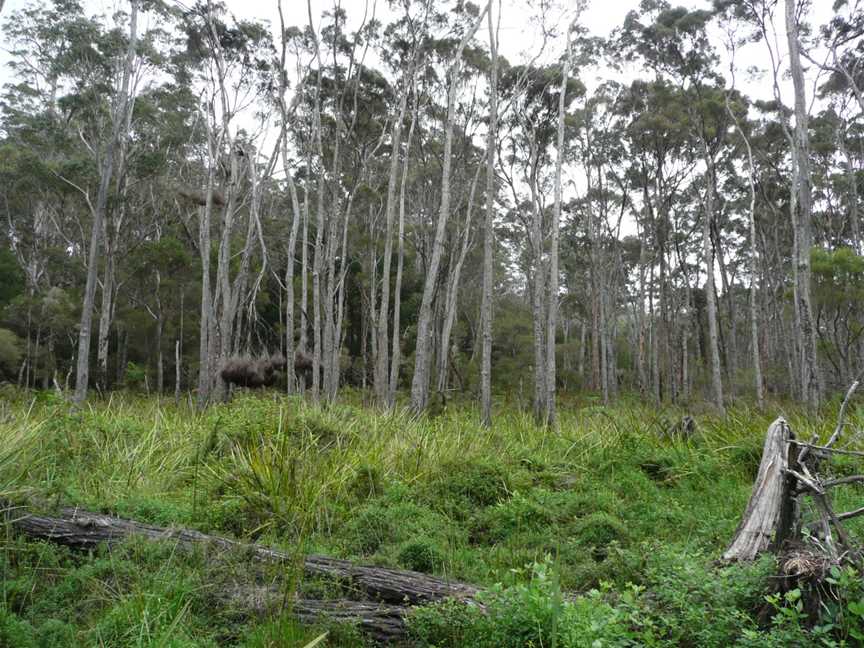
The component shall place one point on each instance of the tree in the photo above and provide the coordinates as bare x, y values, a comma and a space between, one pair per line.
488, 230
802, 217
121, 108
422, 361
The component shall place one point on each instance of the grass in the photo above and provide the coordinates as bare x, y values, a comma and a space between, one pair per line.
608, 506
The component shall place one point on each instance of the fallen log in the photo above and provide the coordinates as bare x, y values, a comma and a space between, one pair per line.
81, 529
383, 623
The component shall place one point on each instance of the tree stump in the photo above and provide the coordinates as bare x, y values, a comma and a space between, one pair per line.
769, 516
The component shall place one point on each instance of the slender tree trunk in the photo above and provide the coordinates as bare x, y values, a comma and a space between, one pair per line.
303, 344
538, 288
420, 381
552, 299
205, 380
753, 267
489, 233
289, 267
381, 376
710, 295
396, 354
178, 353
451, 299
810, 378
105, 314
122, 102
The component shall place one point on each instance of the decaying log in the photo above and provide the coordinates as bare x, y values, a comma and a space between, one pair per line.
762, 520
87, 530
382, 623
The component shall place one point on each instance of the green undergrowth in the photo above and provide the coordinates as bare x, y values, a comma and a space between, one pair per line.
603, 532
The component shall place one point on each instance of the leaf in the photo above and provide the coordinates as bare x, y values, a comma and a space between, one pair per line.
317, 641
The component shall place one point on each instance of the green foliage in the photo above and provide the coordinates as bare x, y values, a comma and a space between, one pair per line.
421, 555
11, 277
527, 615
10, 352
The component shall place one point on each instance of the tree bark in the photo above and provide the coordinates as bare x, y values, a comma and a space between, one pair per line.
80, 529
753, 266
390, 592
396, 353
710, 295
552, 298
451, 298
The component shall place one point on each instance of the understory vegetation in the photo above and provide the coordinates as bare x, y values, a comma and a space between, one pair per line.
603, 533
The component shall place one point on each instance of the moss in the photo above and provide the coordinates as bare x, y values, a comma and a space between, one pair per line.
482, 483
599, 529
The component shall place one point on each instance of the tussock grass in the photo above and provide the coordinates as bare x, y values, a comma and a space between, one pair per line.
604, 501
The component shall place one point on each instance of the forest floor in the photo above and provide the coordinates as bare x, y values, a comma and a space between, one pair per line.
604, 533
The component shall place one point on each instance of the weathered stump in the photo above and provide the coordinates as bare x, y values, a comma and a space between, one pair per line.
769, 516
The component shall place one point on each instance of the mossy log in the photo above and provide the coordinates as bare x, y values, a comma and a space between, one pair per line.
389, 592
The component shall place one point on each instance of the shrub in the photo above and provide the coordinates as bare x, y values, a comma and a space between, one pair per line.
471, 483
600, 529
10, 352
520, 513
421, 555
527, 615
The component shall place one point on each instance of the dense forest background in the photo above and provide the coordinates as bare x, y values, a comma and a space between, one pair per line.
400, 207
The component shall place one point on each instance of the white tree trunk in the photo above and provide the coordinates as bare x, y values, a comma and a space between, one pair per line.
420, 381
552, 298
381, 377
810, 379
122, 104
489, 235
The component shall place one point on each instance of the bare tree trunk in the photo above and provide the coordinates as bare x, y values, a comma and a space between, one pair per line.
289, 268
205, 380
538, 292
753, 266
122, 104
396, 354
451, 298
178, 352
381, 377
489, 233
802, 222
710, 295
105, 314
420, 381
552, 299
